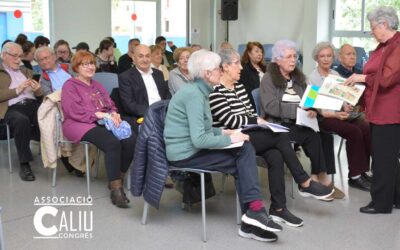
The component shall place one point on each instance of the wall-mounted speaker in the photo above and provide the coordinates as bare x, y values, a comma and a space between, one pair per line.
229, 10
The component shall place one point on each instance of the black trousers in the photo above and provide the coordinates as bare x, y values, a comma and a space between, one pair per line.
275, 148
118, 154
240, 162
310, 141
23, 122
385, 166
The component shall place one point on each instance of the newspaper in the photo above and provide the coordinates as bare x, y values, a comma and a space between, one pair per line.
333, 86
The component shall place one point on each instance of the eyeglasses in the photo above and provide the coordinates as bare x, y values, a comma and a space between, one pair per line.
43, 59
15, 56
87, 64
290, 57
373, 27
62, 51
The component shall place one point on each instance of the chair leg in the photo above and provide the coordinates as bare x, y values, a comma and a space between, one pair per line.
54, 176
293, 185
238, 211
87, 168
96, 163
145, 211
223, 179
128, 179
2, 247
9, 149
203, 206
338, 156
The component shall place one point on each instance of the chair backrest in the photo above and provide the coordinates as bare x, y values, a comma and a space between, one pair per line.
241, 48
256, 97
362, 57
268, 52
107, 79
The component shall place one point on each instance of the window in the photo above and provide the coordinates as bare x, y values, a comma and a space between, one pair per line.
146, 19
30, 17
350, 25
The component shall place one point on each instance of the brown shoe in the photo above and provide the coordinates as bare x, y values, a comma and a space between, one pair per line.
117, 195
169, 183
337, 194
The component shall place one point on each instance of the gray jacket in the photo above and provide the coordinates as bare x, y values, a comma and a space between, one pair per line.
272, 88
176, 80
46, 84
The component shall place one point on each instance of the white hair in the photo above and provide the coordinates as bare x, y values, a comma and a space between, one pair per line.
227, 55
384, 14
320, 46
201, 61
7, 47
279, 48
41, 49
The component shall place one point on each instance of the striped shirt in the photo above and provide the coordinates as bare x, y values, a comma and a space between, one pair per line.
231, 108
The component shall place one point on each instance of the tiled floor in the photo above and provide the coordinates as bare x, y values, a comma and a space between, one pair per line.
328, 225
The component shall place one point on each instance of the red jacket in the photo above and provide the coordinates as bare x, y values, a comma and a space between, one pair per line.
382, 94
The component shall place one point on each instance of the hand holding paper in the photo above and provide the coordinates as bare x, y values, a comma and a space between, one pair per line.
303, 119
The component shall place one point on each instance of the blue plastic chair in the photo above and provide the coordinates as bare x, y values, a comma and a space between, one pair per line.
107, 79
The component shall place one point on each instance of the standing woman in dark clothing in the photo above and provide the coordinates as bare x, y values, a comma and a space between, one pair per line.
381, 76
253, 68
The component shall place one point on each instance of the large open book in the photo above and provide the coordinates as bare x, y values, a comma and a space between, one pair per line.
333, 86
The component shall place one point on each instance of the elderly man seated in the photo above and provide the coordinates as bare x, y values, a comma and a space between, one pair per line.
18, 104
347, 59
54, 74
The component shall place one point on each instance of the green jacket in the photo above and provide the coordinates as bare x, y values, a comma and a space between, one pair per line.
188, 124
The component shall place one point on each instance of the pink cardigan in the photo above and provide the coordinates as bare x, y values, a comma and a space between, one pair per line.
79, 104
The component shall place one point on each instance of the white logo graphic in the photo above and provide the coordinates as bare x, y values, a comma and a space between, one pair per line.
58, 218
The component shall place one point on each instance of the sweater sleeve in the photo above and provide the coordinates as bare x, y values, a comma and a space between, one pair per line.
272, 103
72, 105
195, 110
222, 112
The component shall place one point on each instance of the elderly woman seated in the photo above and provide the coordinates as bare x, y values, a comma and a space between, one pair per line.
356, 131
231, 109
281, 90
179, 76
191, 140
156, 60
85, 103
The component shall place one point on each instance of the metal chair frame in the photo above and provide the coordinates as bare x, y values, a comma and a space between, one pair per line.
201, 172
4, 123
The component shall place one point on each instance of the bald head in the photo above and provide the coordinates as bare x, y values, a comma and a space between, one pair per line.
142, 57
347, 56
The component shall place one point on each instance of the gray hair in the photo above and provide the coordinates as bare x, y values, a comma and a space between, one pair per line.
7, 47
320, 46
41, 49
201, 61
384, 14
279, 48
227, 55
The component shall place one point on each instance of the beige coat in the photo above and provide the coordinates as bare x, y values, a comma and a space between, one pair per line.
50, 149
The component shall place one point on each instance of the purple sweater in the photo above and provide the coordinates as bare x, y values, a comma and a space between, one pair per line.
79, 103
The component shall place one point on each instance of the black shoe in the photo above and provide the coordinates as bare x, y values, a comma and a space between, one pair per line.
118, 198
79, 173
256, 233
26, 173
316, 190
367, 177
286, 217
396, 206
360, 183
66, 164
261, 219
370, 209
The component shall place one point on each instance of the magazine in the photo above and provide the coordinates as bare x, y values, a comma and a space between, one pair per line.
333, 86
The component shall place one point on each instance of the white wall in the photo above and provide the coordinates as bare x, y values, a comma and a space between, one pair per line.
80, 20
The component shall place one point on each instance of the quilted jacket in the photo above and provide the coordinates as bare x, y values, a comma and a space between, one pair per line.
149, 169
